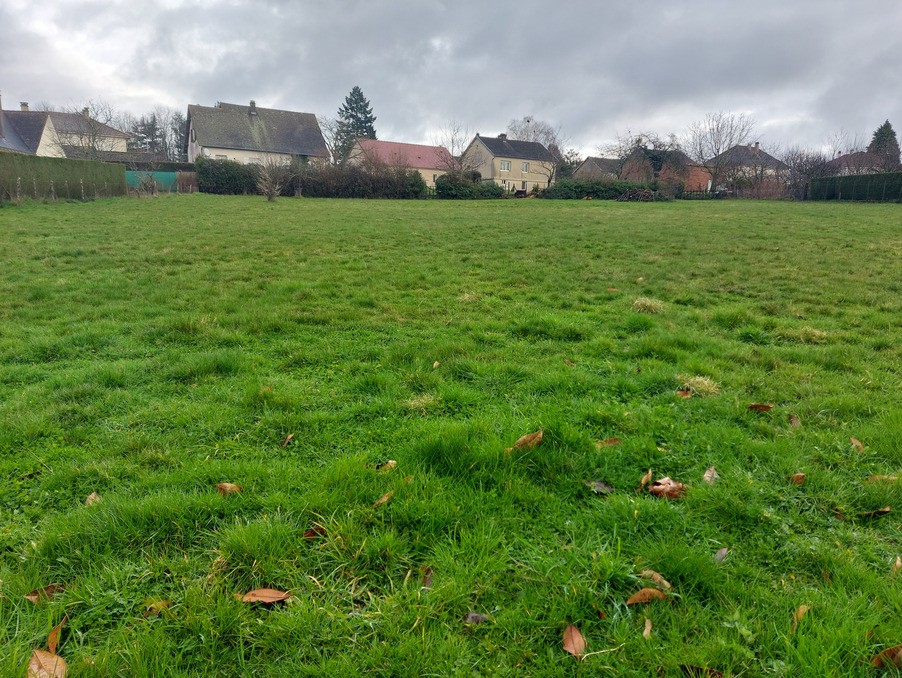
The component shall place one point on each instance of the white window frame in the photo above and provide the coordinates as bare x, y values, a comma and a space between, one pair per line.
505, 165
524, 167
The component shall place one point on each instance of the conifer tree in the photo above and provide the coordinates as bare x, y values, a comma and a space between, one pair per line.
355, 121
885, 144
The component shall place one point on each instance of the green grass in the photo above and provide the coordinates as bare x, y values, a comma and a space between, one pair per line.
150, 349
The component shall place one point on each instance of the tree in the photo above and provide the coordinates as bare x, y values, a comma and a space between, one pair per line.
85, 133
708, 141
650, 145
329, 127
455, 137
528, 128
885, 145
355, 121
804, 165
272, 175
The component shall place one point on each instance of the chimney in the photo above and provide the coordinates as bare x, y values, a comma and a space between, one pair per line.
502, 137
757, 144
23, 106
253, 109
85, 112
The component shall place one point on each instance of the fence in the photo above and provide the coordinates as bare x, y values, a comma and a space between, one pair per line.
886, 187
161, 182
29, 176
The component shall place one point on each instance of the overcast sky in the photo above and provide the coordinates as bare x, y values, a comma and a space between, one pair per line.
803, 69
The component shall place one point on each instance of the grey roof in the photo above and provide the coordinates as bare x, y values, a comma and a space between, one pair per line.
856, 163
9, 138
268, 130
512, 148
748, 156
610, 165
29, 126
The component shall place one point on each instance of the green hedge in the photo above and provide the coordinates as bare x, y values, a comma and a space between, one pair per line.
454, 186
886, 187
577, 189
29, 176
357, 181
225, 177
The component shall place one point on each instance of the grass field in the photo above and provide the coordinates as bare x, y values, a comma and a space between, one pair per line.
150, 349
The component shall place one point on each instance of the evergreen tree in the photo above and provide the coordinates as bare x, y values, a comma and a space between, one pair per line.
355, 121
885, 144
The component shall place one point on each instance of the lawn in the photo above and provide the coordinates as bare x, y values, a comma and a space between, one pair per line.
150, 349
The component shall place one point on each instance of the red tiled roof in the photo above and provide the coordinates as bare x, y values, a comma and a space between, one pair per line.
415, 156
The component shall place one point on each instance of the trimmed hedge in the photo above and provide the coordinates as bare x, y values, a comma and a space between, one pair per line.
462, 187
225, 177
357, 181
577, 189
886, 187
30, 176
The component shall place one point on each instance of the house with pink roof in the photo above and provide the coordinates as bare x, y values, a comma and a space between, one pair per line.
430, 161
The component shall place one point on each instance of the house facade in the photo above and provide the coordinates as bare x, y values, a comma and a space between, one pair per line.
513, 165
60, 135
598, 169
430, 161
250, 134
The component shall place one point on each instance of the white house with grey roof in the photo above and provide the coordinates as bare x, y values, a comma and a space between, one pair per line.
250, 134
514, 165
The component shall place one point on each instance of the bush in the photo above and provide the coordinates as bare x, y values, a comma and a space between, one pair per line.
29, 176
225, 177
465, 186
886, 187
577, 189
358, 181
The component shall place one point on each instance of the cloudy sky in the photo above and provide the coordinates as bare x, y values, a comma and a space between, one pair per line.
803, 69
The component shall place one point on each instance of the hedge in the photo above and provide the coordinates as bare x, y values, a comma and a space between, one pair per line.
886, 187
577, 189
462, 187
357, 181
30, 176
225, 177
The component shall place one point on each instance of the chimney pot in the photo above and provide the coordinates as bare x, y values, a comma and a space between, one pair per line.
503, 137
23, 106
85, 111
253, 108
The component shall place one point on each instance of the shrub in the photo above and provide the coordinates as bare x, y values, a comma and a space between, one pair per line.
577, 189
358, 181
225, 177
466, 186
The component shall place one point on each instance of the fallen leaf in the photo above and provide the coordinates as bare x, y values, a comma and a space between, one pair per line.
856, 443
668, 488
797, 478
93, 498
45, 593
890, 657
896, 566
54, 638
797, 617
721, 555
644, 481
877, 513
155, 608
645, 595
684, 392
601, 615
264, 596
600, 487
46, 665
794, 421
699, 672
646, 633
612, 289
384, 499
574, 643
474, 618
316, 531
711, 475
287, 439
526, 442
436, 365
568, 363
760, 407
883, 479
607, 442
653, 576
427, 577
225, 489
386, 465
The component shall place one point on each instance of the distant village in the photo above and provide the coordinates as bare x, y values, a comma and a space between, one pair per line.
721, 155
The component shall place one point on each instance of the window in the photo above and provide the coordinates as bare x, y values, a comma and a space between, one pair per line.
524, 183
525, 166
505, 165
222, 157
504, 183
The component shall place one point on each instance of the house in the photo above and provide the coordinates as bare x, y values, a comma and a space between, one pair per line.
430, 161
514, 165
859, 162
598, 169
60, 135
747, 169
248, 134
668, 167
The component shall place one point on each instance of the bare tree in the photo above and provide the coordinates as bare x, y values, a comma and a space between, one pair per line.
709, 140
842, 142
88, 131
649, 143
552, 138
454, 137
330, 129
804, 165
272, 175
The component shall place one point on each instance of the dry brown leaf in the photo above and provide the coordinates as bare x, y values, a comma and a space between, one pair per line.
568, 362
436, 365
856, 443
387, 465
528, 441
646, 633
287, 439
427, 577
225, 489
883, 479
896, 566
574, 643
607, 442
155, 608
890, 657
797, 478
645, 595
644, 481
877, 513
600, 487
653, 576
668, 488
54, 638
684, 392
384, 499
46, 593
721, 555
711, 475
316, 531
794, 421
46, 665
264, 596
93, 498
474, 618
760, 407
797, 617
